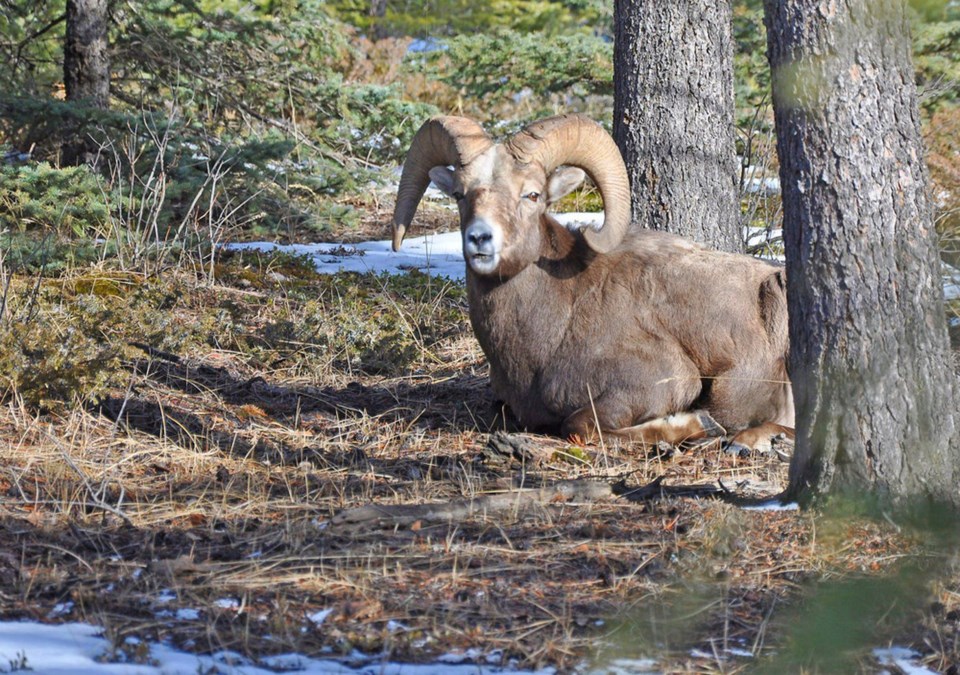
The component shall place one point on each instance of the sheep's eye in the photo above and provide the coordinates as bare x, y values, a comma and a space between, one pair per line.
532, 196
457, 195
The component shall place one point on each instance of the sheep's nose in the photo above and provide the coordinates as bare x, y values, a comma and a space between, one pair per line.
479, 238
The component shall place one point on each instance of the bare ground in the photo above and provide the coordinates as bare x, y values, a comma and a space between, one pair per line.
238, 445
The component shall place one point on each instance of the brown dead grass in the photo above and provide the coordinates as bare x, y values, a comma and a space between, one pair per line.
211, 473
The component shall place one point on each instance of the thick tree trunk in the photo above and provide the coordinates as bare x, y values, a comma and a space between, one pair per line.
870, 361
86, 65
674, 116
378, 10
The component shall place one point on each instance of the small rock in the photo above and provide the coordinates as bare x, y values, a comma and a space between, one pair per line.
503, 447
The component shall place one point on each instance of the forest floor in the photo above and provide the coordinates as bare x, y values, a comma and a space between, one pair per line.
212, 497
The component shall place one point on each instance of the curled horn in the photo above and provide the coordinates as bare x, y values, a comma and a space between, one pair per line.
579, 141
441, 141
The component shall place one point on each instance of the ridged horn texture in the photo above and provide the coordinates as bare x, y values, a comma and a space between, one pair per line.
441, 141
576, 140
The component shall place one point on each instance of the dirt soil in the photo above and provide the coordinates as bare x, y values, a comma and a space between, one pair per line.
221, 467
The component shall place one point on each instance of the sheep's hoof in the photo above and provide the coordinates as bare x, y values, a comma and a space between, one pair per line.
738, 449
710, 427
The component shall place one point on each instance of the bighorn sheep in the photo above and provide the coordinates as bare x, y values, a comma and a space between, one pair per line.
640, 334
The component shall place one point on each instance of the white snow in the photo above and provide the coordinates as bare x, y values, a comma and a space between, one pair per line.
627, 667
188, 614
435, 254
773, 505
317, 618
438, 255
61, 609
80, 649
903, 659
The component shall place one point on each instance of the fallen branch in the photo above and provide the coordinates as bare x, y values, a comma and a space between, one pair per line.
655, 489
514, 501
153, 352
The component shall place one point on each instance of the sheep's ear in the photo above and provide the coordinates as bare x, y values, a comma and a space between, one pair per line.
442, 177
563, 181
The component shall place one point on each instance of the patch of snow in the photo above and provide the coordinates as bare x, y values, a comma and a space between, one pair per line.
317, 618
951, 289
773, 505
188, 614
582, 219
227, 603
284, 662
459, 657
166, 595
494, 657
60, 609
761, 235
231, 658
438, 255
768, 186
80, 649
902, 658
475, 658
628, 667
422, 45
951, 281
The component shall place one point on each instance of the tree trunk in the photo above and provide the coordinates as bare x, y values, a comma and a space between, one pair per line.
378, 10
86, 66
674, 116
870, 361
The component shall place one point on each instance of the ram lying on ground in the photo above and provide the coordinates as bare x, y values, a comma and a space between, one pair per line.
637, 334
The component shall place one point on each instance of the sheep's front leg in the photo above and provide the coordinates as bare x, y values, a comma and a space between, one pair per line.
673, 429
759, 438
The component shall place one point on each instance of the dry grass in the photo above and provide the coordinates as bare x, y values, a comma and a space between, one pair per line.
208, 469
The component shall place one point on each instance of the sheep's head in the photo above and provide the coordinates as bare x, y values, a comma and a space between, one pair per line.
503, 189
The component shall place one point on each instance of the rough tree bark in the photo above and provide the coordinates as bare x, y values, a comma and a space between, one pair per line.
378, 10
870, 359
86, 65
674, 116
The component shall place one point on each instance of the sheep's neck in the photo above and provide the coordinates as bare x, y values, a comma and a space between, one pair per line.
520, 322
